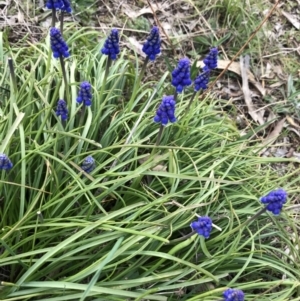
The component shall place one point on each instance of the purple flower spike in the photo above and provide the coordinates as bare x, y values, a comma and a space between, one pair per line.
233, 295
67, 6
201, 81
58, 44
211, 60
152, 45
202, 226
181, 76
88, 164
111, 46
275, 200
56, 4
166, 111
62, 109
64, 5
5, 163
85, 94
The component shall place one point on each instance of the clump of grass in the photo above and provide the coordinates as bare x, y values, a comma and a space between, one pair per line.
88, 214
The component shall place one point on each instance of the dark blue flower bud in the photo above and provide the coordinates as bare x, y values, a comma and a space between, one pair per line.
88, 164
211, 60
202, 226
56, 4
166, 111
201, 81
58, 45
152, 45
67, 6
62, 109
111, 46
5, 163
181, 76
233, 295
275, 200
85, 94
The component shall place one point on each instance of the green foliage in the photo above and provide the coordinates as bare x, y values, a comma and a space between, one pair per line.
116, 234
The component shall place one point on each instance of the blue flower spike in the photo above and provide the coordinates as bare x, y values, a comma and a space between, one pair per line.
58, 44
62, 109
54, 4
111, 46
211, 60
5, 163
201, 81
88, 164
166, 111
64, 5
85, 94
181, 76
67, 6
202, 226
233, 295
152, 46
275, 200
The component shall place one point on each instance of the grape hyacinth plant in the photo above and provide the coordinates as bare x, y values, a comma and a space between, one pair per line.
111, 46
88, 164
152, 46
166, 111
274, 200
5, 163
181, 76
85, 94
55, 4
58, 45
202, 226
233, 295
67, 6
62, 110
211, 60
201, 81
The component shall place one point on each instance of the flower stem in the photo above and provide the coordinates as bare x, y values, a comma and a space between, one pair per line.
161, 128
62, 21
53, 17
190, 102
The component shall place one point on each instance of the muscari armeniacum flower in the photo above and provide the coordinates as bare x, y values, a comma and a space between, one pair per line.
181, 76
211, 60
56, 4
152, 45
62, 109
166, 111
201, 81
88, 164
85, 94
5, 163
233, 295
202, 226
111, 46
64, 5
58, 44
67, 6
275, 200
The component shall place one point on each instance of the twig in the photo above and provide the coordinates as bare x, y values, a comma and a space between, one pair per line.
246, 43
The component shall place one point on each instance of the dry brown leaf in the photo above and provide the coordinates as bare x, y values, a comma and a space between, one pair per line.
291, 121
275, 133
257, 116
156, 158
135, 46
294, 20
127, 9
235, 67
